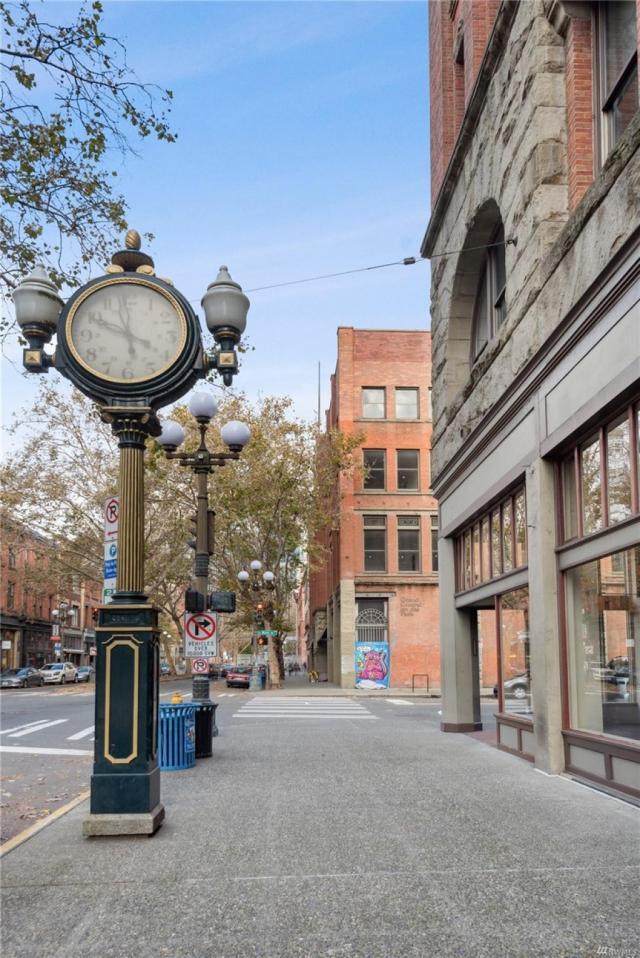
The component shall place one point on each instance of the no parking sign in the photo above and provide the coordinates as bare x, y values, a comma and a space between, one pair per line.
200, 634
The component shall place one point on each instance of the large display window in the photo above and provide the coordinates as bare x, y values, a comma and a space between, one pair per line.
603, 632
515, 672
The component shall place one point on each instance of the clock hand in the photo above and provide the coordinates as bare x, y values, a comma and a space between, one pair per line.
123, 332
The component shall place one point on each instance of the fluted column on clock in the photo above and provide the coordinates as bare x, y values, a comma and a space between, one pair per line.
131, 426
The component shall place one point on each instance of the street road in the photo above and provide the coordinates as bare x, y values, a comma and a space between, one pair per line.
46, 747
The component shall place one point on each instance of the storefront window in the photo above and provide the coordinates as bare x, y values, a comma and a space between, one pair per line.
569, 498
476, 555
521, 530
485, 548
605, 461
590, 473
618, 474
603, 632
467, 560
496, 551
515, 684
496, 543
507, 533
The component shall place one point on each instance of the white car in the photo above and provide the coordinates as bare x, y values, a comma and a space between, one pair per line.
58, 673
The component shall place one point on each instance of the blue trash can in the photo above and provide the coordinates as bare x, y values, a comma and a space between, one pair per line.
176, 737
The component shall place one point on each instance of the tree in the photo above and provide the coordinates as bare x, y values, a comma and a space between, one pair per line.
56, 166
269, 504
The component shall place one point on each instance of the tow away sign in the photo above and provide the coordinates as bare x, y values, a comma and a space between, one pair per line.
200, 634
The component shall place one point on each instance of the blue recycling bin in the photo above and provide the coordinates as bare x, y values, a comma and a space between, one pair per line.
176, 737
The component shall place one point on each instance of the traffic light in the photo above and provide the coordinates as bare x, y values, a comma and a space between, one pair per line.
194, 601
222, 601
262, 640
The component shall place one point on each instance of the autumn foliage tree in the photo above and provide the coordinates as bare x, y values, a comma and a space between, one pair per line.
269, 504
69, 105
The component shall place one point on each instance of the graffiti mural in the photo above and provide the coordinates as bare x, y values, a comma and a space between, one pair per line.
372, 665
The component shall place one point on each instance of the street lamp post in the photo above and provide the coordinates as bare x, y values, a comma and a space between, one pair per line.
132, 343
203, 463
256, 588
60, 615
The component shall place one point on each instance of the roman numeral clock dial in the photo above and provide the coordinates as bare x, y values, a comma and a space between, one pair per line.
128, 331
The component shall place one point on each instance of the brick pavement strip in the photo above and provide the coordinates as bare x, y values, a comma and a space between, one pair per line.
366, 840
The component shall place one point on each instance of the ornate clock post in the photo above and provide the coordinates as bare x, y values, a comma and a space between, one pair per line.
132, 343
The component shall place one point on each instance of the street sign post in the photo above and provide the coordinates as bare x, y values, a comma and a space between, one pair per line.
269, 633
200, 666
111, 513
200, 634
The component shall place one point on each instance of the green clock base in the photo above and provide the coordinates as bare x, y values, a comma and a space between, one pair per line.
125, 784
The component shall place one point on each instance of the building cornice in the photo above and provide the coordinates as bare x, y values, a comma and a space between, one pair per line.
492, 56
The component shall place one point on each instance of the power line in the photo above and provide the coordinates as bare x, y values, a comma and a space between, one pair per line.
407, 261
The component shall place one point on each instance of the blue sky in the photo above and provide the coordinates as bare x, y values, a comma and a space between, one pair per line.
302, 149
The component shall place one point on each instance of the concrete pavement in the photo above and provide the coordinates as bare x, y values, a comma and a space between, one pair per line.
367, 839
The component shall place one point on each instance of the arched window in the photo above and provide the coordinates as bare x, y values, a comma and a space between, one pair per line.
489, 309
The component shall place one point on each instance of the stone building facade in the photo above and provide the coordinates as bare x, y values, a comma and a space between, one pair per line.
536, 369
373, 605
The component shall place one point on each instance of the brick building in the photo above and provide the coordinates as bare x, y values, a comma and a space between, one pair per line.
375, 600
535, 160
31, 607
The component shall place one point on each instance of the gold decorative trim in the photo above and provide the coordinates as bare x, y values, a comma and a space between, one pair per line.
120, 280
134, 644
125, 628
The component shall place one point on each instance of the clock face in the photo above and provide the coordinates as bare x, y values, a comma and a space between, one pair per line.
126, 331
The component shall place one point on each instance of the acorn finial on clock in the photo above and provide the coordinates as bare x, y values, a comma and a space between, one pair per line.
132, 240
131, 258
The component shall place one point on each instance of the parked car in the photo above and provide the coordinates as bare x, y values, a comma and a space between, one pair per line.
20, 678
164, 669
59, 673
515, 688
238, 676
85, 673
215, 670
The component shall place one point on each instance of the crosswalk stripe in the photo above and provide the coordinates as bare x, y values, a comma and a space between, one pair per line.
303, 715
16, 728
26, 750
38, 728
82, 734
400, 702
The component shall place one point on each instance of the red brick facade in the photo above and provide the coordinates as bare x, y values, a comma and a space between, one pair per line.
458, 37
580, 126
28, 596
388, 360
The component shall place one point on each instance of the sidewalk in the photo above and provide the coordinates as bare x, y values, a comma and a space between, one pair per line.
377, 839
299, 684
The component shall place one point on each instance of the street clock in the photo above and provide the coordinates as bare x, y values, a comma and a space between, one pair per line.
130, 337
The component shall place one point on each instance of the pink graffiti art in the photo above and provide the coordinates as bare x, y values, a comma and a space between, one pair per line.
374, 666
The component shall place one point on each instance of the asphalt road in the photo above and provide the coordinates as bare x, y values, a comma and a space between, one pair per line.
46, 747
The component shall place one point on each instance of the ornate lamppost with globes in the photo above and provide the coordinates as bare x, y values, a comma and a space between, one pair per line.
132, 343
203, 463
60, 620
256, 588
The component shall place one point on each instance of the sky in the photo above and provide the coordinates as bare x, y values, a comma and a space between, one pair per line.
302, 150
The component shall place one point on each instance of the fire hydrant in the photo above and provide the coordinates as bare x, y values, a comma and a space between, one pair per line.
176, 699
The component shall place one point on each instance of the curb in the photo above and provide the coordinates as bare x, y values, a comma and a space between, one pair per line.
28, 833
